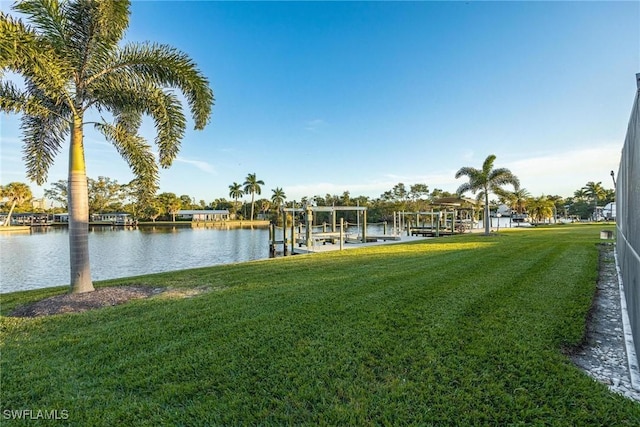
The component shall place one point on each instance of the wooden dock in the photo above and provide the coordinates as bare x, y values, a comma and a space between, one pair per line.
429, 232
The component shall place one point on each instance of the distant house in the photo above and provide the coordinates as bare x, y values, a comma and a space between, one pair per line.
609, 211
503, 210
203, 215
26, 218
116, 218
61, 217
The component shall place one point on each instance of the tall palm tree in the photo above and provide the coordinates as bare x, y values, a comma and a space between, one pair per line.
252, 186
17, 193
484, 181
235, 191
69, 55
277, 198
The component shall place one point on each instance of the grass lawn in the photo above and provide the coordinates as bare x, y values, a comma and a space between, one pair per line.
465, 330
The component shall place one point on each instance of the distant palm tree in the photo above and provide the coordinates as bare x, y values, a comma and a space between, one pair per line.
595, 191
518, 198
277, 198
541, 208
17, 193
235, 191
580, 194
70, 56
484, 181
252, 186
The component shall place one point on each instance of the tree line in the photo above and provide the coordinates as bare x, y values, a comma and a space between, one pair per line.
107, 195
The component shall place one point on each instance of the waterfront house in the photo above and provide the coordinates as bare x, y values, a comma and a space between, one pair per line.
26, 218
115, 218
203, 215
61, 218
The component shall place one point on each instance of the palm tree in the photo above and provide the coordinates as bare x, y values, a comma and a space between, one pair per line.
252, 186
595, 191
541, 208
484, 181
518, 198
17, 193
277, 198
69, 55
235, 191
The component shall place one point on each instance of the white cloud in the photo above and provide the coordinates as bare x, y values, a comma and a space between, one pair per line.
203, 166
564, 172
315, 125
561, 172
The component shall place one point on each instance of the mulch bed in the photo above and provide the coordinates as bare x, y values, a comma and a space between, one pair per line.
77, 303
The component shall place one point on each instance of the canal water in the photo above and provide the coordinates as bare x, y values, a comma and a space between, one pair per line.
40, 258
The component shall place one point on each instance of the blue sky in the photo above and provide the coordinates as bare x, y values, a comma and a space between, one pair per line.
327, 97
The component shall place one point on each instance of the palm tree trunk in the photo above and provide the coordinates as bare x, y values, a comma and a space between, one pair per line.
487, 218
78, 202
253, 195
7, 222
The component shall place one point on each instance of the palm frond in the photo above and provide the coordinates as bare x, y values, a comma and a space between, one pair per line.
128, 119
464, 188
136, 152
503, 176
467, 171
166, 67
14, 100
43, 137
170, 122
487, 165
48, 18
120, 94
500, 192
95, 28
23, 51
43, 133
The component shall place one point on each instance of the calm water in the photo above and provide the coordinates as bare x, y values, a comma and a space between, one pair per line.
40, 258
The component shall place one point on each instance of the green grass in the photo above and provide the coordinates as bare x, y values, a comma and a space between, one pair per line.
468, 330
